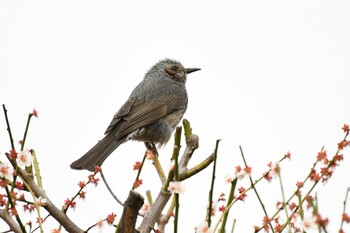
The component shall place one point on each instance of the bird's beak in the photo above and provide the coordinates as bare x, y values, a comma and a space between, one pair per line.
190, 70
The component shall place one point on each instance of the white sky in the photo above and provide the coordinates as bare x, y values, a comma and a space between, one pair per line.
274, 78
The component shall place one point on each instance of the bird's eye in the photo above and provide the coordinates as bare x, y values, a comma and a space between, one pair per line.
174, 68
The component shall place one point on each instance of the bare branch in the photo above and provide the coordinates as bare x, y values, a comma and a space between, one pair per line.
201, 166
110, 189
155, 211
10, 222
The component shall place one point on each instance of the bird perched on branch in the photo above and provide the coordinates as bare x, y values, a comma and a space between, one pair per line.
153, 110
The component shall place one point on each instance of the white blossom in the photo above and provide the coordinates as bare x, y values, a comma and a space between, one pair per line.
24, 158
176, 187
6, 171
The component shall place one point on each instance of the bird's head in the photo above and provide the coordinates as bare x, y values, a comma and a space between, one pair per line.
173, 69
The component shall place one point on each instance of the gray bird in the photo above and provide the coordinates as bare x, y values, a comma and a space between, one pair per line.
153, 110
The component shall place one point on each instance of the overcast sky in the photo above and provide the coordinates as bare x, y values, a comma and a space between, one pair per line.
275, 78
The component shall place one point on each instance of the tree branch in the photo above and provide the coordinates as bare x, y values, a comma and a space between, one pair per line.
10, 222
61, 217
154, 214
130, 212
196, 169
155, 211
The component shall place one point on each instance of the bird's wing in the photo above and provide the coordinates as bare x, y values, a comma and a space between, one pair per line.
149, 112
123, 111
139, 112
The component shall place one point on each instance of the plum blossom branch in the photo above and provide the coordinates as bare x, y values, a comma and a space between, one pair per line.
70, 202
13, 163
59, 215
242, 194
315, 177
252, 185
109, 219
345, 217
27, 178
139, 169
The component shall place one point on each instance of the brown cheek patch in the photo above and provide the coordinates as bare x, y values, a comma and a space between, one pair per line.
169, 71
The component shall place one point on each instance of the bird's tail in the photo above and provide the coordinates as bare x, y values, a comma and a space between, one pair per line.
97, 154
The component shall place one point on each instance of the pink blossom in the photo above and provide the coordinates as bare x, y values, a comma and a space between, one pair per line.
203, 228
41, 201
145, 208
309, 223
213, 207
6, 171
240, 174
275, 169
35, 113
149, 155
172, 165
176, 187
24, 159
228, 178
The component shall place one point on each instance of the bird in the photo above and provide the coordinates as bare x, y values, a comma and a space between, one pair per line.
151, 113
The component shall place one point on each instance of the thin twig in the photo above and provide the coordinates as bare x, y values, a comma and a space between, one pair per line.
344, 207
284, 200
212, 184
233, 225
137, 176
110, 190
65, 209
8, 127
47, 216
26, 131
36, 205
94, 225
256, 191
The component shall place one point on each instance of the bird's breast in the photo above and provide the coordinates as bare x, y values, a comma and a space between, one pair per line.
172, 120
